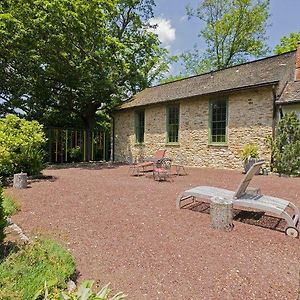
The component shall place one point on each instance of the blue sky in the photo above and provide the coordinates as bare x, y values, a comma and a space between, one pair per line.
179, 34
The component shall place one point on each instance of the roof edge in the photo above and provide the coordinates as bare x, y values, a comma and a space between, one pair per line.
246, 87
215, 71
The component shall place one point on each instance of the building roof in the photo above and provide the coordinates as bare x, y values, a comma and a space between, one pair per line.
272, 70
291, 93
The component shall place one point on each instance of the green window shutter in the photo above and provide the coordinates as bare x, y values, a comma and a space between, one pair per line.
218, 120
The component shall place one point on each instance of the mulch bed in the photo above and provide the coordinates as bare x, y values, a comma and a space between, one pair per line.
126, 230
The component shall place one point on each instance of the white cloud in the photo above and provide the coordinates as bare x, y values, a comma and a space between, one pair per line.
166, 33
183, 19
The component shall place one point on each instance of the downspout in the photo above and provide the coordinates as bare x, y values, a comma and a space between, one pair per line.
112, 152
274, 111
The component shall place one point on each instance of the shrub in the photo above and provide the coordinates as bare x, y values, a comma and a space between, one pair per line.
75, 154
23, 274
21, 144
3, 222
286, 145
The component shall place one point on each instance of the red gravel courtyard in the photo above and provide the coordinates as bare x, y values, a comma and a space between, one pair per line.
127, 231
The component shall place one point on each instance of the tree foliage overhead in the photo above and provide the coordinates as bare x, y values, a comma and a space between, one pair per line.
288, 43
234, 31
63, 60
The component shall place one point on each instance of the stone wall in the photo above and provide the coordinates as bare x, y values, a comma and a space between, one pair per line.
249, 121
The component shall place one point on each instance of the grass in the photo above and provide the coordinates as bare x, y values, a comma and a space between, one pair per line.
23, 274
10, 206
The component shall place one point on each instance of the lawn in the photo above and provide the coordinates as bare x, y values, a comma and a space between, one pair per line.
126, 230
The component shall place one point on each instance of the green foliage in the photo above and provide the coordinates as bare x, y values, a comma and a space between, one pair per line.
23, 274
10, 206
286, 146
85, 292
249, 151
172, 78
3, 221
234, 31
287, 43
21, 145
62, 60
75, 154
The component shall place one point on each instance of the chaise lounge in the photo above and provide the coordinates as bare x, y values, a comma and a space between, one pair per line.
248, 198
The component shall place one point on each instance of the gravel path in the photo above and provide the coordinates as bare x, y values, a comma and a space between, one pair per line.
127, 231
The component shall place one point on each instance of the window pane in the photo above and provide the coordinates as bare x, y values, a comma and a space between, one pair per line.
139, 126
218, 121
172, 123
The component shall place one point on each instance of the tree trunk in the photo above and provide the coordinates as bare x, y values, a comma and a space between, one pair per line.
20, 181
221, 214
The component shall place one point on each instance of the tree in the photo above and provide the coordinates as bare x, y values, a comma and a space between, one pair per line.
287, 43
234, 31
63, 60
286, 145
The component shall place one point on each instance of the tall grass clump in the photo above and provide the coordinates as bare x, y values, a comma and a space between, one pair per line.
3, 222
23, 274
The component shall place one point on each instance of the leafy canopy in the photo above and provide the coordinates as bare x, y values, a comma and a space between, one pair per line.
288, 43
234, 31
62, 60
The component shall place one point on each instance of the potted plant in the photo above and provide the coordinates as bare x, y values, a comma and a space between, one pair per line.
249, 156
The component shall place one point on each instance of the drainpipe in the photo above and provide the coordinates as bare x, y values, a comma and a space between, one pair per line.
112, 152
274, 111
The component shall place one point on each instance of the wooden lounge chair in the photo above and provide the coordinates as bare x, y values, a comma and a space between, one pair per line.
249, 198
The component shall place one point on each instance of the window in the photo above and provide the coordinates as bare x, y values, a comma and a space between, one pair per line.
139, 126
218, 122
172, 123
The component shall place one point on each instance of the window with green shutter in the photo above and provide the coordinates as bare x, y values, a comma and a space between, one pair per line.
172, 123
218, 111
139, 126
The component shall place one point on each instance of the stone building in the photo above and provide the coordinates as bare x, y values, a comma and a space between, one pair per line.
206, 120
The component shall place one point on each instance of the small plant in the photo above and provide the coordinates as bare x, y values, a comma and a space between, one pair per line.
75, 154
249, 151
84, 292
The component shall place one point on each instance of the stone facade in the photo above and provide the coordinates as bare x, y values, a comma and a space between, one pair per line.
250, 118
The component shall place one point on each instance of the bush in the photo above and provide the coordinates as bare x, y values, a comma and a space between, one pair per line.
3, 222
21, 144
23, 274
75, 154
286, 146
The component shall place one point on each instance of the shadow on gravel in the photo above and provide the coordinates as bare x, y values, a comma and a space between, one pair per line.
41, 178
248, 217
85, 166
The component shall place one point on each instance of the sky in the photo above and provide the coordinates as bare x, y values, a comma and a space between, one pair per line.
178, 34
